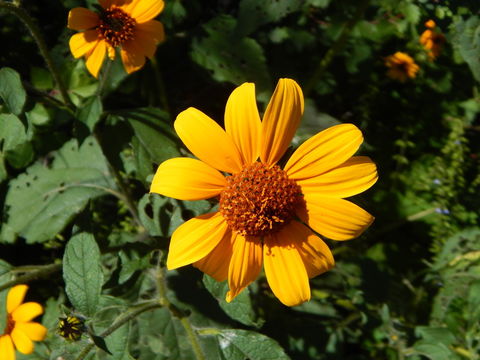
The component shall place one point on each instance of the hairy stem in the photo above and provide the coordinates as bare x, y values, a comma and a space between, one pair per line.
32, 273
122, 320
336, 47
42, 46
191, 333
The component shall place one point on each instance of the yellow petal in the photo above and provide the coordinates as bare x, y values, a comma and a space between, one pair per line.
15, 297
245, 264
217, 262
132, 55
22, 341
82, 43
208, 141
195, 239
95, 58
351, 178
82, 19
284, 267
281, 120
151, 32
242, 122
33, 330
144, 10
187, 179
27, 311
6, 348
336, 219
324, 151
315, 254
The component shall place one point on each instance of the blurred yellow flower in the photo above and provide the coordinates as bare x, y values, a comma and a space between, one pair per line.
20, 331
431, 40
126, 24
401, 66
267, 215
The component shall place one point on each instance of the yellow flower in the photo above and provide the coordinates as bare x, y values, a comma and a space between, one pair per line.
20, 331
401, 66
126, 24
266, 212
431, 40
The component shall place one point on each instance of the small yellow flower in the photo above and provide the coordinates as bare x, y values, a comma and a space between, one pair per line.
266, 212
20, 331
431, 40
401, 66
126, 24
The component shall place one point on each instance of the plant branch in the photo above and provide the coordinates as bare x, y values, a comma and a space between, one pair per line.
336, 47
32, 273
42, 46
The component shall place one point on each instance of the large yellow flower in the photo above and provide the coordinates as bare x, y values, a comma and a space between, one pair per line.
266, 213
126, 24
401, 66
20, 331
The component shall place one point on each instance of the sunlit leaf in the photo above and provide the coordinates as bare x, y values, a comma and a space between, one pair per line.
11, 90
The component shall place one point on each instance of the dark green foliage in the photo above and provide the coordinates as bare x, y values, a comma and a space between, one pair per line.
75, 179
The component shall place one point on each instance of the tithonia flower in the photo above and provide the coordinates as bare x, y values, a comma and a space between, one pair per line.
268, 214
20, 331
401, 66
126, 24
431, 40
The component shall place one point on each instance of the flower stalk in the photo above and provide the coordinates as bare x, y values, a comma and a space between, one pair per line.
42, 46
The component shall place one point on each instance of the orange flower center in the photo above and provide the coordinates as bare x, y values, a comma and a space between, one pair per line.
259, 200
116, 26
10, 325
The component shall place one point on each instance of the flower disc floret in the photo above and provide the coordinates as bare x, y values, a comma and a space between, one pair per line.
116, 26
259, 200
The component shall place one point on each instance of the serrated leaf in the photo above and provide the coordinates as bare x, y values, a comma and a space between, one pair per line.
235, 60
89, 113
244, 344
253, 13
43, 200
11, 90
239, 309
434, 351
435, 334
82, 273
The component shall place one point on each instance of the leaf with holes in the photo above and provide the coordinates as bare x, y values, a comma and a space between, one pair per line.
82, 273
44, 199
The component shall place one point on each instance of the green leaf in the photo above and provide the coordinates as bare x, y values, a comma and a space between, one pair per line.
117, 343
130, 264
244, 344
235, 60
434, 351
435, 334
82, 273
154, 139
239, 309
253, 13
89, 113
466, 39
151, 210
44, 199
11, 90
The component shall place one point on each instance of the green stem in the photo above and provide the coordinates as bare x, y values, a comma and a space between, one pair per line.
117, 324
160, 85
191, 333
37, 36
336, 47
33, 274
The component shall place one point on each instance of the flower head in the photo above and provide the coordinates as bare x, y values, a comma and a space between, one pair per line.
401, 66
431, 40
267, 214
20, 331
126, 24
